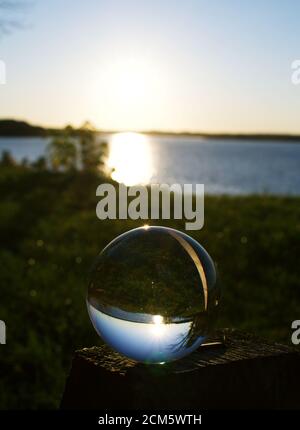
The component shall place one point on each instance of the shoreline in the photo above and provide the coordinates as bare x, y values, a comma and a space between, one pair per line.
16, 128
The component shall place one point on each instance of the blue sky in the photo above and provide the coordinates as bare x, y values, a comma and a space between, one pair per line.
171, 65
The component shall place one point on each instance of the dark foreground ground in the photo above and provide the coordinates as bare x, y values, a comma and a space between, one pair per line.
50, 236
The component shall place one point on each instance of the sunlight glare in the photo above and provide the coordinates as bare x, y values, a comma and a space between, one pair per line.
127, 91
132, 81
158, 326
130, 159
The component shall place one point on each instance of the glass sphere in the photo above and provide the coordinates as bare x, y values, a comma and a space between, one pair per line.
153, 294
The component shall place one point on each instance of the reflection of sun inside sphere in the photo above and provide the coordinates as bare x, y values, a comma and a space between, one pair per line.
153, 294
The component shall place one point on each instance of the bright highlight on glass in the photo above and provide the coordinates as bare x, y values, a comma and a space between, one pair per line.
130, 159
153, 294
158, 326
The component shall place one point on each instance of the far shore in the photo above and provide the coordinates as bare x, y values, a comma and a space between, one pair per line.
250, 136
15, 128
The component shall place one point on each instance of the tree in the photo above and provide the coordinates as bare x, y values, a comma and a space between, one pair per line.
78, 148
62, 154
7, 159
40, 164
92, 152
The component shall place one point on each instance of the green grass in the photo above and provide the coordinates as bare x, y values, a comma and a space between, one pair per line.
50, 236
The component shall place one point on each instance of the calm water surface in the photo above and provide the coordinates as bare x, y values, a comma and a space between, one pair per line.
224, 166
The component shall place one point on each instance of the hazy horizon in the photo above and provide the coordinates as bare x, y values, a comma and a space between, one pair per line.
149, 131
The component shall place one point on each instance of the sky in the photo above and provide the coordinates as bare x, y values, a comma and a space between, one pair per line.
193, 65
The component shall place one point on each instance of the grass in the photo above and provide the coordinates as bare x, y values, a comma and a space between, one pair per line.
50, 236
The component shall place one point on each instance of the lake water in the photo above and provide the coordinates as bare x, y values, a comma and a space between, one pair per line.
223, 166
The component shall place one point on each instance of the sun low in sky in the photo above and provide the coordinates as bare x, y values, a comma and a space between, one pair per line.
194, 65
132, 90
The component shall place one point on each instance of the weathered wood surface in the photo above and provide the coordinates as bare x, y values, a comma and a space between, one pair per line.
243, 373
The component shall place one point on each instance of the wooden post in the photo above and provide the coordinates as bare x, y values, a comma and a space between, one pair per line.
243, 373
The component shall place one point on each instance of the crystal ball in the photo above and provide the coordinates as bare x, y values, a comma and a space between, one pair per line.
153, 294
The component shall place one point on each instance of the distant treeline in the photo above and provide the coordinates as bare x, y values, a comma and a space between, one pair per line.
239, 136
9, 127
14, 128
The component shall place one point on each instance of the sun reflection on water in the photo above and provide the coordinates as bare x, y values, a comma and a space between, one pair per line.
158, 326
130, 158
